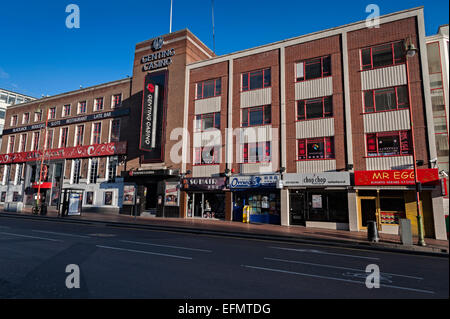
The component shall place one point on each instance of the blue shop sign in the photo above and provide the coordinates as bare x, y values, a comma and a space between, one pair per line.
254, 181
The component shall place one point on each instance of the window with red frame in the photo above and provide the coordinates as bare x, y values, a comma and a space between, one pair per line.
82, 107
207, 121
257, 152
26, 118
37, 116
98, 104
14, 120
117, 100
66, 110
259, 115
209, 88
387, 99
316, 148
79, 135
313, 69
207, 155
52, 113
96, 133
315, 108
23, 143
12, 140
382, 55
256, 80
389, 143
36, 136
64, 137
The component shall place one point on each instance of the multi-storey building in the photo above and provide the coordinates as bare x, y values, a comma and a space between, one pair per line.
8, 98
313, 130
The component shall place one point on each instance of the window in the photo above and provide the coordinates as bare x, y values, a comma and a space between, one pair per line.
112, 168
115, 130
23, 143
49, 140
116, 100
52, 113
208, 89
76, 169
79, 135
98, 104
81, 107
382, 55
93, 171
316, 148
14, 120
313, 69
207, 155
315, 108
64, 132
257, 152
388, 99
35, 145
37, 116
207, 121
390, 143
6, 174
256, 80
11, 142
66, 110
108, 198
96, 133
259, 115
26, 118
19, 174
89, 198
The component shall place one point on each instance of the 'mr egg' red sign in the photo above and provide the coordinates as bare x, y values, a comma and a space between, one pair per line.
397, 177
106, 149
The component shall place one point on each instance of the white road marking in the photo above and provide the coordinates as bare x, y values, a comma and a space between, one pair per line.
158, 245
62, 234
314, 251
143, 252
27, 236
338, 267
334, 278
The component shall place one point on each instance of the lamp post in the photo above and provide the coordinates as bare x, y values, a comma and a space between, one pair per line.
411, 51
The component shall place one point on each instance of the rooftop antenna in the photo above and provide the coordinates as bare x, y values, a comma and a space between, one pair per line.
214, 41
170, 27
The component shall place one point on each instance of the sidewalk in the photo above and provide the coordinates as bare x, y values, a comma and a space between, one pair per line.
258, 231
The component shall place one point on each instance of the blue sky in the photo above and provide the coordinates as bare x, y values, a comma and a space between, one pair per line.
39, 55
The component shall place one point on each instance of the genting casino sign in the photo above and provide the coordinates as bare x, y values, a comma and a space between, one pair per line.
106, 149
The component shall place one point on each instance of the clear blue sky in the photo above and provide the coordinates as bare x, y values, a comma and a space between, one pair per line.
39, 55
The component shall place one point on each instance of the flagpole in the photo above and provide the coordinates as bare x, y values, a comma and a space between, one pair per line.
170, 27
214, 41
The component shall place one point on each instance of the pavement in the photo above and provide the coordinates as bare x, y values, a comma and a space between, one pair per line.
298, 234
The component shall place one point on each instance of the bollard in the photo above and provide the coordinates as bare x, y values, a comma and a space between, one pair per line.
372, 231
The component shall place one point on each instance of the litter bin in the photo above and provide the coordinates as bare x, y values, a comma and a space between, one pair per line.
405, 231
372, 231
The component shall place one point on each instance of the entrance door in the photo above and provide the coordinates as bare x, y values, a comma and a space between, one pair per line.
297, 208
198, 204
151, 198
368, 210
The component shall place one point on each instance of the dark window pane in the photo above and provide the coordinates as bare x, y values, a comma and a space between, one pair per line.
327, 66
368, 101
314, 109
300, 110
388, 145
382, 55
328, 101
366, 59
244, 118
402, 94
267, 78
217, 120
256, 80
199, 90
245, 82
385, 99
208, 122
208, 89
218, 87
267, 114
399, 52
392, 204
256, 116
313, 69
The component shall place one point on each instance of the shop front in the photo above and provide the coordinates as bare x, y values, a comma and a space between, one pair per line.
386, 196
261, 193
318, 199
205, 197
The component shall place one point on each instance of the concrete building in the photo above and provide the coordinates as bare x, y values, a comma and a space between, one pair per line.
313, 130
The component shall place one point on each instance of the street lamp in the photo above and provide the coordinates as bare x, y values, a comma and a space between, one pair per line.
411, 51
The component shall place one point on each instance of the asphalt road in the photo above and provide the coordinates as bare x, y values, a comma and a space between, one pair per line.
132, 263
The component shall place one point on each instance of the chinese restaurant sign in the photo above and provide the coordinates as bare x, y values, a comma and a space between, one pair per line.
204, 184
106, 149
426, 176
